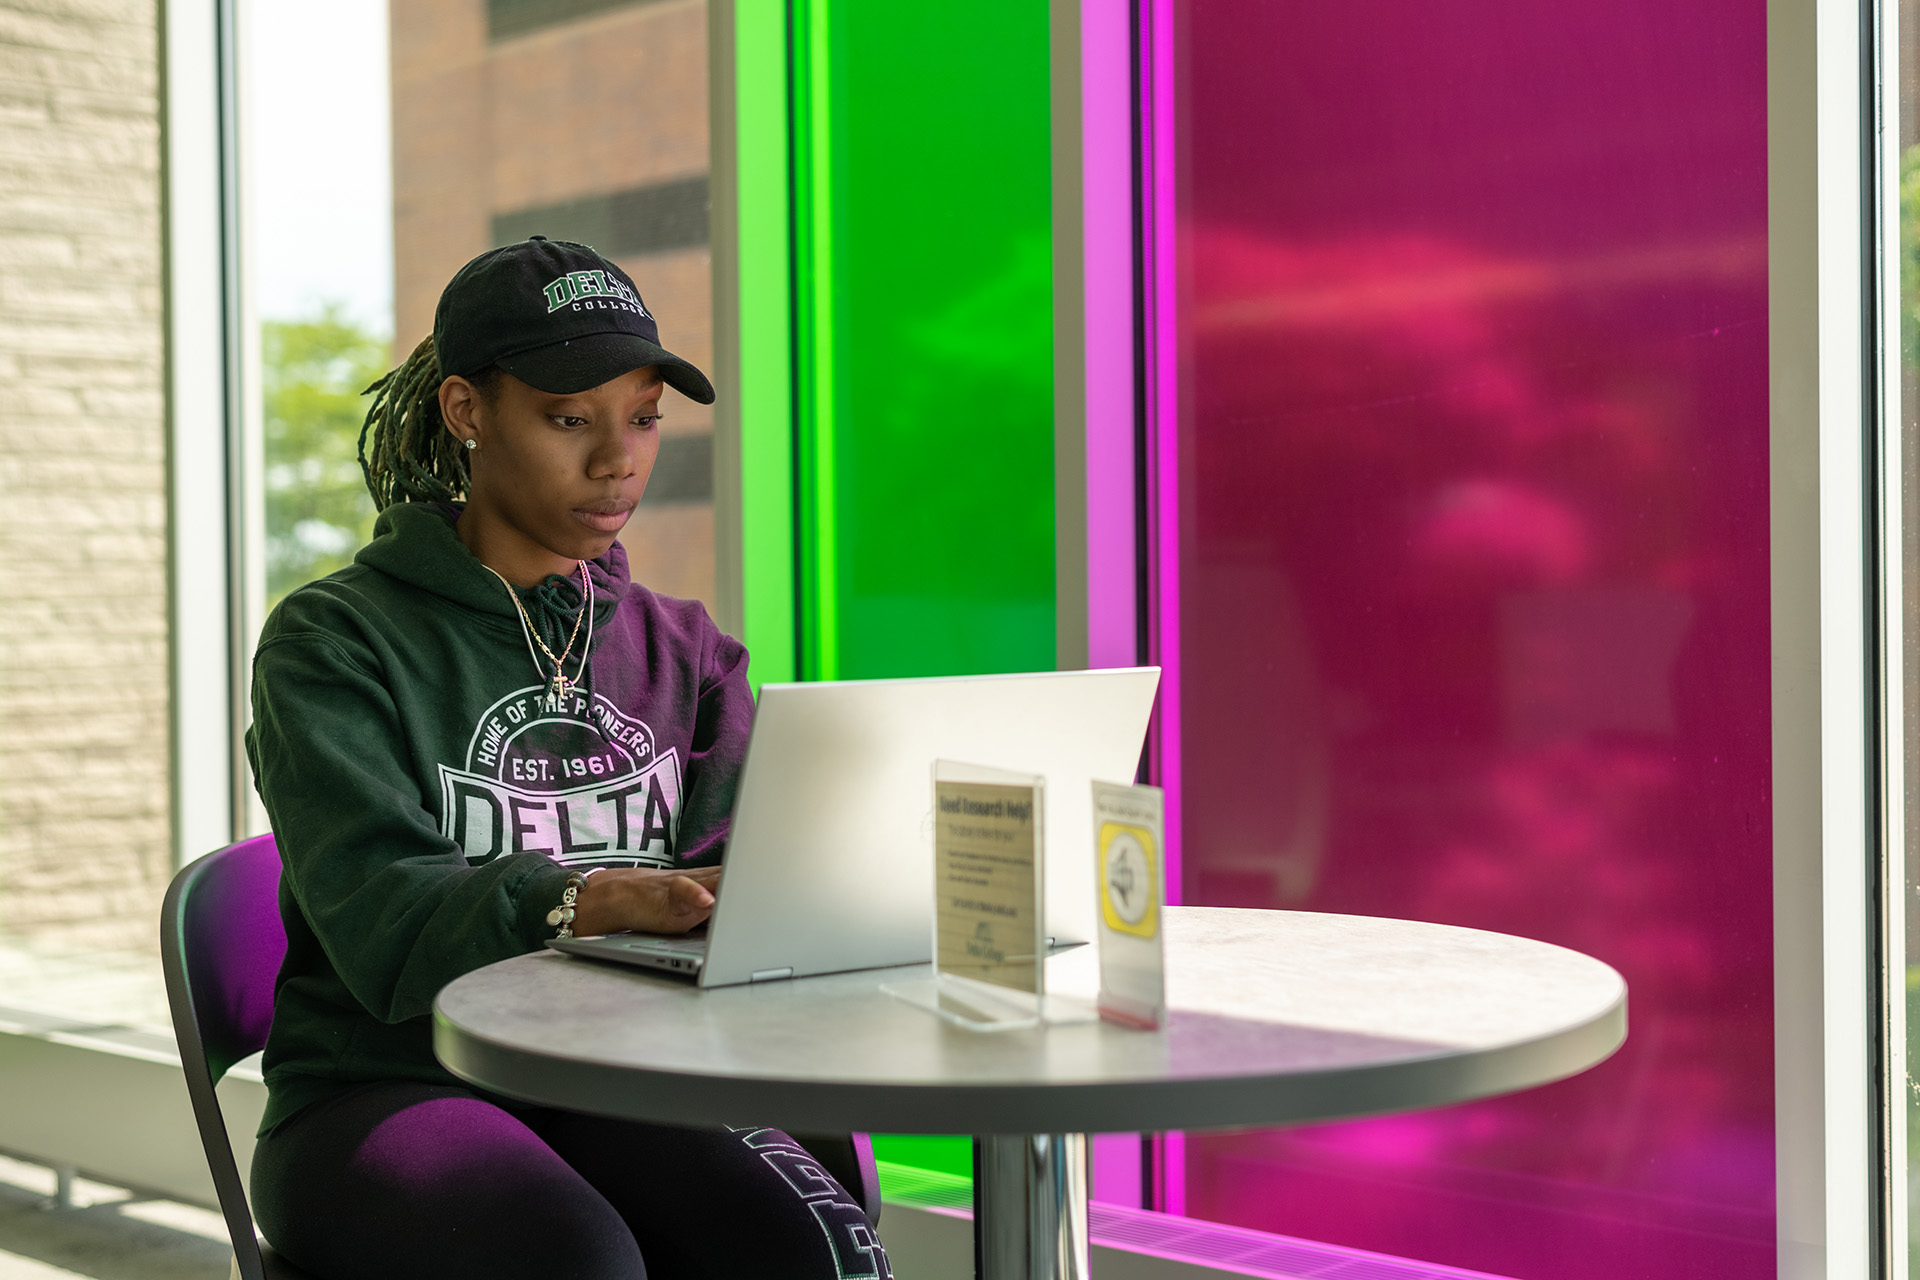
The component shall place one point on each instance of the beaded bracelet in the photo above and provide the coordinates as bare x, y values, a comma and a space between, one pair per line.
562, 915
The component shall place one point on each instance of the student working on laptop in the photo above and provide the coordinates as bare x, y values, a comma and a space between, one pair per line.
478, 735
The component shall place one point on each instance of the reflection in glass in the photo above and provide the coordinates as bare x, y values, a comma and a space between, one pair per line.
1474, 583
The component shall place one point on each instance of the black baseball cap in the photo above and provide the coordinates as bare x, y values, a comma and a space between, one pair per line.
555, 315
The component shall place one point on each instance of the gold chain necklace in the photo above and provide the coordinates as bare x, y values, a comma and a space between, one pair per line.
559, 687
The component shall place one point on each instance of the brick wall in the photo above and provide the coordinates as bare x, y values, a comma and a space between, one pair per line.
549, 116
84, 835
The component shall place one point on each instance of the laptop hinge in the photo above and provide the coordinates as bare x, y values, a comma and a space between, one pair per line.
768, 975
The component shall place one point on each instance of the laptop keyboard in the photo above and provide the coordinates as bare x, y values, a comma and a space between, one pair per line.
668, 946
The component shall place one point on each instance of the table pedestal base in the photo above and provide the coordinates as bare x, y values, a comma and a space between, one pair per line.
1030, 1207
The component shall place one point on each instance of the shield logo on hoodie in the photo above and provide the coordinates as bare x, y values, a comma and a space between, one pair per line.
576, 779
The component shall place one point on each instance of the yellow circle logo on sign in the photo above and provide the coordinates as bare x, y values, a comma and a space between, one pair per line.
1129, 879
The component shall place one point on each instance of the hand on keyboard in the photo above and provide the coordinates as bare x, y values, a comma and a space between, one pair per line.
645, 900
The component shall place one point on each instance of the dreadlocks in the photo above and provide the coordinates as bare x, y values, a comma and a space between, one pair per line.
406, 452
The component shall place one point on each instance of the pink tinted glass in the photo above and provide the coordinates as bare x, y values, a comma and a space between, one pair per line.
1472, 581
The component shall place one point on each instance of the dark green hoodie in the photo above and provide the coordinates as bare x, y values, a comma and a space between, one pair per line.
428, 798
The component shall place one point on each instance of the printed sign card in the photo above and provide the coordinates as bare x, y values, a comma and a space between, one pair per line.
988, 910
989, 907
1128, 826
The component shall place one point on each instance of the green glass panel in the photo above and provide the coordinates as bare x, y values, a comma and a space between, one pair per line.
925, 350
940, 1153
921, 461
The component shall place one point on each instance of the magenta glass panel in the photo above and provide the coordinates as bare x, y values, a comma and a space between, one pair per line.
1472, 581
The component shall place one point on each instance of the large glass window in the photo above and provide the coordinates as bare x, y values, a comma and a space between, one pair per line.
1472, 582
386, 142
319, 268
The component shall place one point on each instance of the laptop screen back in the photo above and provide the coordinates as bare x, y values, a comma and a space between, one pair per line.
829, 863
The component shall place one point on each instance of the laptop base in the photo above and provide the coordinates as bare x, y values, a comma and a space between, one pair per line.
684, 956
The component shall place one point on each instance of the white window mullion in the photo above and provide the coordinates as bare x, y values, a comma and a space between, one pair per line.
1893, 729
1825, 826
200, 624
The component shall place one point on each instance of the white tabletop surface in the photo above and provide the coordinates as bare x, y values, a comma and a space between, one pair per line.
1277, 1017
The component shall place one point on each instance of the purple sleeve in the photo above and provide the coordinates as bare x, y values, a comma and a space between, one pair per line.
721, 723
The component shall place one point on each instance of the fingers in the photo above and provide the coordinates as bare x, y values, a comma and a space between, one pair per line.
708, 876
688, 893
688, 901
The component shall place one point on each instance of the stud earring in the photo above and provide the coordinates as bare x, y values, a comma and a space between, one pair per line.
472, 444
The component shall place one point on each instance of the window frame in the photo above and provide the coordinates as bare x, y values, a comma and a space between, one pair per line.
205, 437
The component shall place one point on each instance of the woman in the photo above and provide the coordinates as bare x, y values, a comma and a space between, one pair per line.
477, 735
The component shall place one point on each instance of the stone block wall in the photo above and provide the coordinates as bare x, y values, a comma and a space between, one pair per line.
84, 786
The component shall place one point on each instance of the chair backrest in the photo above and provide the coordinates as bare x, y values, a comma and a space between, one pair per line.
221, 943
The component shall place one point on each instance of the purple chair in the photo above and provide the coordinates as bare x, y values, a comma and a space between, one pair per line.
221, 944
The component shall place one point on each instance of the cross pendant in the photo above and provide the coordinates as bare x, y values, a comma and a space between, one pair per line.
561, 688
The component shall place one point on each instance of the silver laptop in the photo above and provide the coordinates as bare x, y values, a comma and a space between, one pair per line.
829, 863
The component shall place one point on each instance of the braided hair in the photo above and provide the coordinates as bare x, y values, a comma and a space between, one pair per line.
406, 452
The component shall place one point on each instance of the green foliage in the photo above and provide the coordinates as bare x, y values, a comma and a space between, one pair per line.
313, 372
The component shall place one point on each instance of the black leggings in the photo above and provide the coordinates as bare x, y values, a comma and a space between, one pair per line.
419, 1181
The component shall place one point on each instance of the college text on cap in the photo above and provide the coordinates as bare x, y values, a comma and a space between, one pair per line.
578, 285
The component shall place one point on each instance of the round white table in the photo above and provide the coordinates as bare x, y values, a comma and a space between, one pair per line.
1276, 1017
